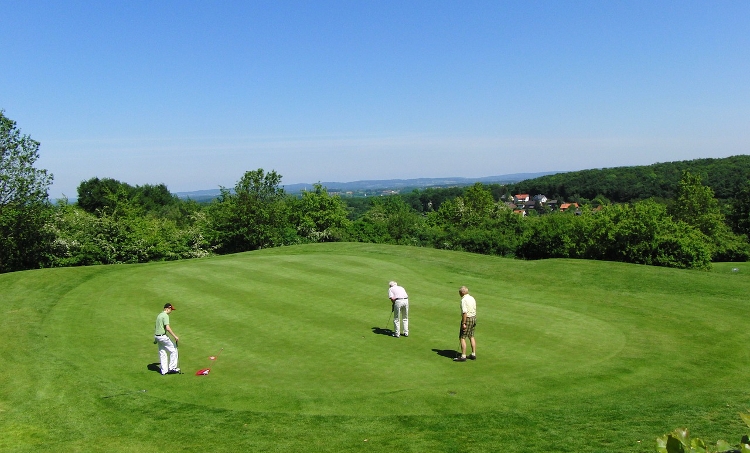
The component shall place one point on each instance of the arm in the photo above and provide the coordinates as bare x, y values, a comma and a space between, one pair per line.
463, 314
169, 329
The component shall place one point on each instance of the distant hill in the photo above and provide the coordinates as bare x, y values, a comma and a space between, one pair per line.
624, 184
368, 186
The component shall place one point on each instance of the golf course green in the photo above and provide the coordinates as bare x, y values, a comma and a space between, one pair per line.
573, 355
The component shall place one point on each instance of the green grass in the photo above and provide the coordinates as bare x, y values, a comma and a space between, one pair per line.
573, 356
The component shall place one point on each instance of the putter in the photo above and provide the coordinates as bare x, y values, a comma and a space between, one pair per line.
391, 314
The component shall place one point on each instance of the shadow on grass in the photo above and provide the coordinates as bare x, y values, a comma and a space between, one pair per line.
447, 353
381, 331
154, 367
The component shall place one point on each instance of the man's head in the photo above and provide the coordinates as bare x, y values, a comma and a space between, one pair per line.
392, 284
463, 291
168, 307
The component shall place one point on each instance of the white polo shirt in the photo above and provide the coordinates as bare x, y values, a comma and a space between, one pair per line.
469, 306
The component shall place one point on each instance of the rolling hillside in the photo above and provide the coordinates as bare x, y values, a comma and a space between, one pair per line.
624, 184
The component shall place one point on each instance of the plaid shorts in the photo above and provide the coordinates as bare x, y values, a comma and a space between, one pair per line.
468, 332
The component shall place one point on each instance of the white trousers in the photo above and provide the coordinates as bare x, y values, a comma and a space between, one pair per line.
401, 313
166, 346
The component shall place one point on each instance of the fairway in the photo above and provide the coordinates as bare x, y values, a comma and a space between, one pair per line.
590, 356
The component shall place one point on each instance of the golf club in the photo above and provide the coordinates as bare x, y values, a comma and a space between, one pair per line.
389, 318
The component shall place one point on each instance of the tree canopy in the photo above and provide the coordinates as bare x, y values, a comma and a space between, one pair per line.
665, 215
24, 200
627, 184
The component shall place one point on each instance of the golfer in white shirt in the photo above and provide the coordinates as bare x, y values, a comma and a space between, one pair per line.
400, 306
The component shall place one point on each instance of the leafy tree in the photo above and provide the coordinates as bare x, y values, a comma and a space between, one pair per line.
254, 216
318, 215
95, 194
470, 210
600, 200
474, 222
390, 221
123, 235
357, 206
24, 201
154, 198
641, 233
629, 184
432, 198
550, 236
696, 205
739, 214
479, 200
500, 192
644, 233
497, 235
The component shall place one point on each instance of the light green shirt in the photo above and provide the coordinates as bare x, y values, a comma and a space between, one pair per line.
162, 321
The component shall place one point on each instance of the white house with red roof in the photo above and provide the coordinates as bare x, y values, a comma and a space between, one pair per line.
521, 198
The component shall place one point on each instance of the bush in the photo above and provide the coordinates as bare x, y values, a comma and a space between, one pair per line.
126, 236
679, 441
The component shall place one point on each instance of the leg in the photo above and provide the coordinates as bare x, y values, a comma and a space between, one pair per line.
399, 313
463, 347
396, 320
162, 355
173, 358
406, 318
471, 324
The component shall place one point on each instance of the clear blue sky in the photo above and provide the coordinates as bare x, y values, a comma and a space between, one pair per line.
192, 94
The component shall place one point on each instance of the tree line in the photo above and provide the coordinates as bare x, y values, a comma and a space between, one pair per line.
725, 176
113, 222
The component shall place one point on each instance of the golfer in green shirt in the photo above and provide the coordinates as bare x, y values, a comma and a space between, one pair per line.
165, 344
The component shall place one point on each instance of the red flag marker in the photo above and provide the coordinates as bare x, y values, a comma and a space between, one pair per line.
205, 371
